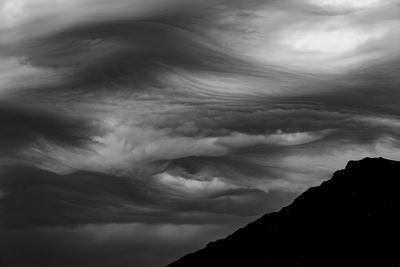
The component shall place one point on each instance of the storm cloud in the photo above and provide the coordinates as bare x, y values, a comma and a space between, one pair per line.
132, 128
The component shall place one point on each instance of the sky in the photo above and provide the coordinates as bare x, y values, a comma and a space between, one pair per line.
136, 131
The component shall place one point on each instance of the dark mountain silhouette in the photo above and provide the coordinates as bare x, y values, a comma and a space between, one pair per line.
353, 219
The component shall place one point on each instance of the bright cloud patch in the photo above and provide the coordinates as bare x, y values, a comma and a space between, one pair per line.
14, 72
329, 39
10, 12
194, 187
349, 3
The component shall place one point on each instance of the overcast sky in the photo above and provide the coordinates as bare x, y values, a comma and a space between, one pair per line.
136, 131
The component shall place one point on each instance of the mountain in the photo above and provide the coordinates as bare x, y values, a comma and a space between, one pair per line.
353, 219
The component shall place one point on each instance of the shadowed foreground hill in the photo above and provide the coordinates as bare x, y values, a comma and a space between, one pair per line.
353, 219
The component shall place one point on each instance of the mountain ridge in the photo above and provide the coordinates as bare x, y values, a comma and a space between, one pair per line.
348, 220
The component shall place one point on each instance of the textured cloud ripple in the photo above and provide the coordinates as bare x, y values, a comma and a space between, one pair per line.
135, 128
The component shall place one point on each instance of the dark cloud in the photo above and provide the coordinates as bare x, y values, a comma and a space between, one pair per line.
179, 121
105, 245
240, 166
37, 197
359, 108
371, 90
23, 127
134, 52
93, 219
108, 55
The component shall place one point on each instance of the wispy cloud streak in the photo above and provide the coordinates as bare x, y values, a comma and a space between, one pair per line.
148, 116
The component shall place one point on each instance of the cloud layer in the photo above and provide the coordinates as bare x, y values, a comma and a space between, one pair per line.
148, 118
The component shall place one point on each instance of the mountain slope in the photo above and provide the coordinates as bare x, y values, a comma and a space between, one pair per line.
353, 219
